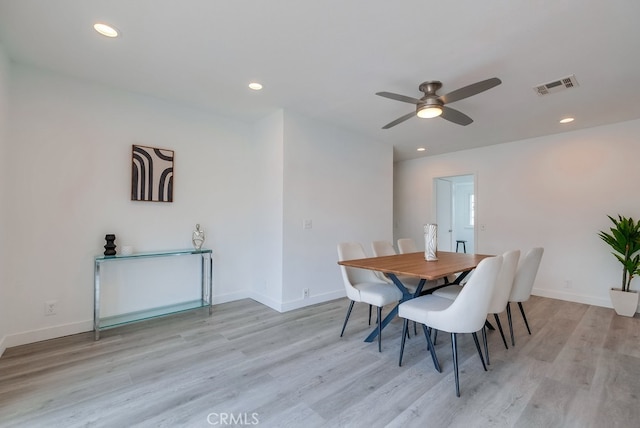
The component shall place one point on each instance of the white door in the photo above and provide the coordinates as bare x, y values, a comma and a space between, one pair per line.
455, 203
444, 214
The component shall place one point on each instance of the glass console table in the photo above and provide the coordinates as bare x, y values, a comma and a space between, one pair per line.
206, 277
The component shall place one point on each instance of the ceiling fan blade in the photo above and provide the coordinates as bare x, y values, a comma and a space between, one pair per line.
467, 91
399, 120
455, 116
399, 97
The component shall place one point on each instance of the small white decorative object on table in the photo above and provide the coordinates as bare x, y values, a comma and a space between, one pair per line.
430, 241
197, 237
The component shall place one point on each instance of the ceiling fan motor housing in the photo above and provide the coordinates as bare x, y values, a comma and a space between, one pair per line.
430, 98
428, 101
430, 88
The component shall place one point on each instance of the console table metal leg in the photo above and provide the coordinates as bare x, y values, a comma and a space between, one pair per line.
206, 276
96, 301
210, 283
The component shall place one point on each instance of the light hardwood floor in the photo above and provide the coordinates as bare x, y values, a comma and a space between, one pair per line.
579, 368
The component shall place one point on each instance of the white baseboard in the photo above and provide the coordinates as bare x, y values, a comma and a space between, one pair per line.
230, 297
47, 333
2, 345
54, 332
296, 304
266, 300
572, 297
312, 300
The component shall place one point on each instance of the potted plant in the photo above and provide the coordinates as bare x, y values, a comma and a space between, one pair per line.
624, 239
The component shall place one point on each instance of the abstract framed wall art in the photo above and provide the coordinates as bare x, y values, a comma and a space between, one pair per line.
151, 174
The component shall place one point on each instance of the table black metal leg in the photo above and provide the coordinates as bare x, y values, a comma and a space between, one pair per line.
384, 323
405, 296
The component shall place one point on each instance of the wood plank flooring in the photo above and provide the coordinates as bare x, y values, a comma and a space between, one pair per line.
252, 365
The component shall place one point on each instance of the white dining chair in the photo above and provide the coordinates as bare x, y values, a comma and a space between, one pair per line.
449, 292
523, 284
407, 245
500, 296
383, 248
362, 285
466, 314
380, 249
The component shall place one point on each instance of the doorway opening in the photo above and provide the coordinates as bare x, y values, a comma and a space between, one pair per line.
455, 201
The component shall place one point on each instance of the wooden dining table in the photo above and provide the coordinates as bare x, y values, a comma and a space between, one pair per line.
415, 265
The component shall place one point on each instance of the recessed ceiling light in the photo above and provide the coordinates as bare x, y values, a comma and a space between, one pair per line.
567, 120
255, 86
105, 30
421, 149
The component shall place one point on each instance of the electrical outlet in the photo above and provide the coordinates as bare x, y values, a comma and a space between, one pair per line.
568, 284
305, 293
51, 307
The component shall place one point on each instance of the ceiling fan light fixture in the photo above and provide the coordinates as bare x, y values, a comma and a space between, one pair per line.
428, 112
105, 30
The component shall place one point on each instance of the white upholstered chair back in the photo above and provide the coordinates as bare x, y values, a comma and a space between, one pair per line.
504, 284
526, 275
407, 245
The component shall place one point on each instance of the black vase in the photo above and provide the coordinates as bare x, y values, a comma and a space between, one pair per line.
110, 248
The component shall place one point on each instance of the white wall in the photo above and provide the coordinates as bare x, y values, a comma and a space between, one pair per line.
343, 184
553, 192
69, 151
339, 181
266, 244
68, 157
4, 101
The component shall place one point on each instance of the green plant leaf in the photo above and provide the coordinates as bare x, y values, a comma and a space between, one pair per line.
624, 240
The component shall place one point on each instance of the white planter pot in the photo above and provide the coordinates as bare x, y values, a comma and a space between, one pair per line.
624, 302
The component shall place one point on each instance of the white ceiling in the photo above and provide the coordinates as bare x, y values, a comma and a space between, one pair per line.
327, 59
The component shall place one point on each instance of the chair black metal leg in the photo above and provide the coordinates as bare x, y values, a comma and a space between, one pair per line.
379, 329
484, 341
501, 332
475, 339
415, 329
513, 341
435, 337
370, 314
524, 316
427, 334
404, 338
432, 349
454, 349
347, 317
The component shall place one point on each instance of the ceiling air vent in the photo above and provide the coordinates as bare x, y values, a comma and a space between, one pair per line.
557, 85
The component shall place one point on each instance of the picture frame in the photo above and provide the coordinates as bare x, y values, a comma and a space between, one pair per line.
151, 174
